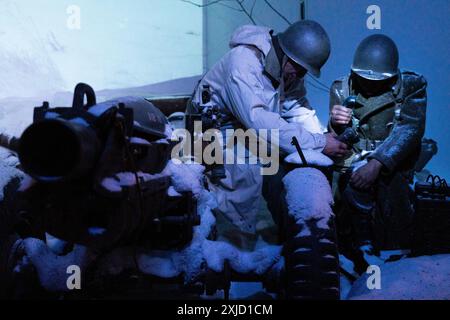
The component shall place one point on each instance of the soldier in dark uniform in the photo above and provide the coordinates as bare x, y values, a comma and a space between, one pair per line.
372, 186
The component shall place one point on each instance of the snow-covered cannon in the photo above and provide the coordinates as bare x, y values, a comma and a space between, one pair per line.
94, 176
117, 206
114, 205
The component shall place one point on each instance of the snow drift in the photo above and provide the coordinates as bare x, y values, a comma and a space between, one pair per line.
421, 278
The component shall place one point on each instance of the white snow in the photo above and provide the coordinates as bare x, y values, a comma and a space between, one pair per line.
258, 261
190, 261
159, 263
312, 157
8, 169
41, 52
111, 185
186, 176
51, 268
308, 196
424, 277
27, 68
420, 278
168, 131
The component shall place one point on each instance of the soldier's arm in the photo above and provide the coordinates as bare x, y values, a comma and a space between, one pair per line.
409, 126
296, 108
245, 90
336, 98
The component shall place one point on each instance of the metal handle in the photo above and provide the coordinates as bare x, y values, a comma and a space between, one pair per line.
81, 90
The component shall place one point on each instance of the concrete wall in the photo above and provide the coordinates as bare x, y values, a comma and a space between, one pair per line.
421, 30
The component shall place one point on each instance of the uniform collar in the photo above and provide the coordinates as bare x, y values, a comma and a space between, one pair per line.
273, 61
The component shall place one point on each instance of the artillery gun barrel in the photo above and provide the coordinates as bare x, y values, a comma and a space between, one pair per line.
53, 150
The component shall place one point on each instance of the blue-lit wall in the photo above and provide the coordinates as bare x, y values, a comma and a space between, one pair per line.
421, 29
220, 21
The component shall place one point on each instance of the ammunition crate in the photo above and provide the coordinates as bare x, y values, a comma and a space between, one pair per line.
432, 218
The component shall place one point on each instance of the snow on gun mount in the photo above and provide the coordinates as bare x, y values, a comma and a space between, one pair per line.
412, 278
318, 207
167, 264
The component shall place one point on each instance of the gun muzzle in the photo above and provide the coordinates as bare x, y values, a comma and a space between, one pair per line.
53, 150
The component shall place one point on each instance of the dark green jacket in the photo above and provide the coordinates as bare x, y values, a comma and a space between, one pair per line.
403, 120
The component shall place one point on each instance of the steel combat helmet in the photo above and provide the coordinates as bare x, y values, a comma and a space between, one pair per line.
376, 58
307, 44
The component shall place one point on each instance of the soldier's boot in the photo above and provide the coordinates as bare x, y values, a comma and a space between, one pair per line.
354, 231
353, 252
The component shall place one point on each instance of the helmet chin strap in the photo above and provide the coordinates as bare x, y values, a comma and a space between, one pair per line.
279, 52
284, 61
283, 66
